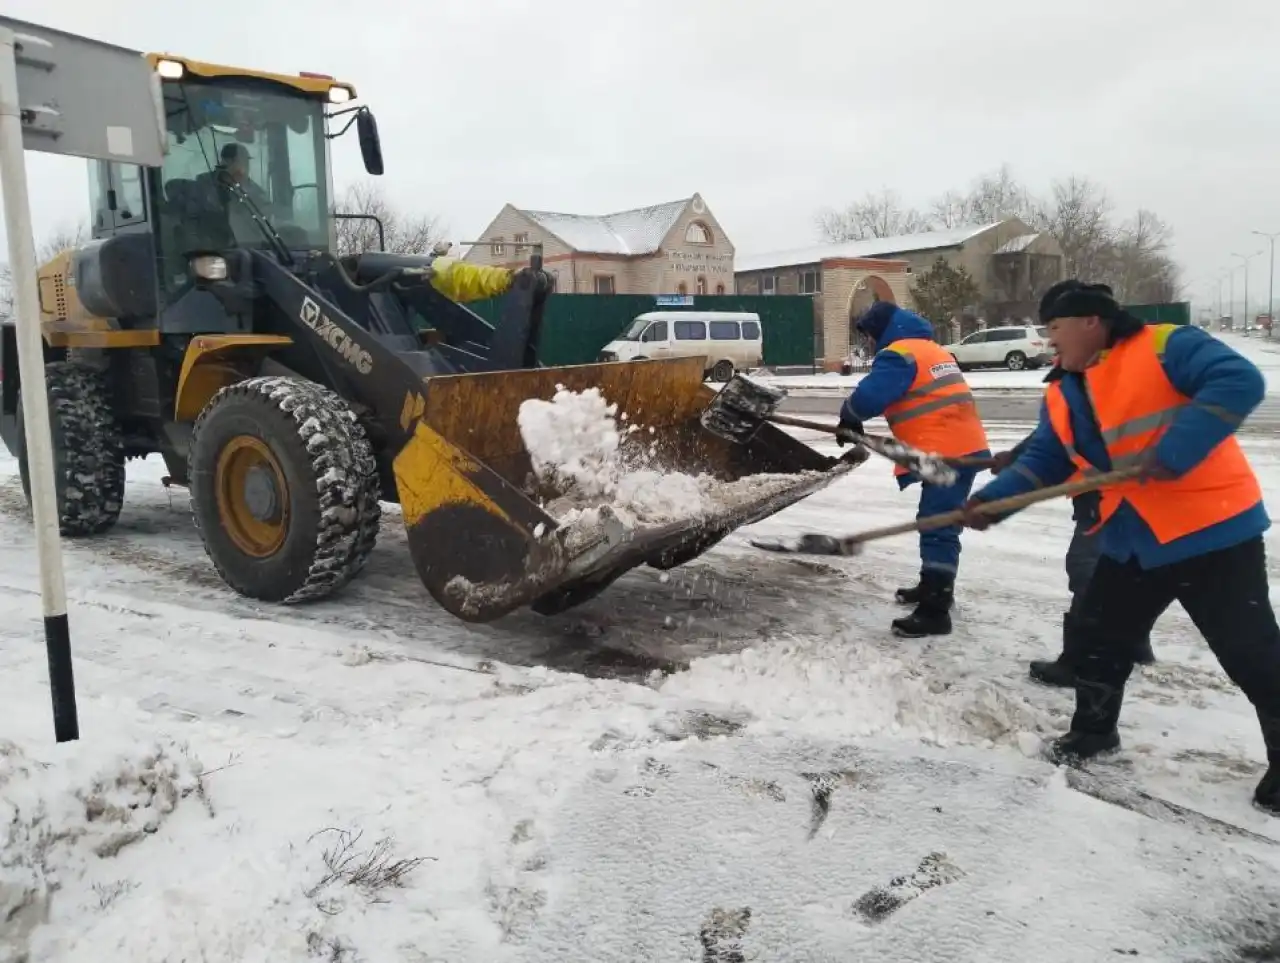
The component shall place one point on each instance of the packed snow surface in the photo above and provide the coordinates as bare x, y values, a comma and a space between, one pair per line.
730, 761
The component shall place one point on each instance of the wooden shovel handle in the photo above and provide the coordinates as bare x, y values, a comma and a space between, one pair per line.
998, 507
875, 442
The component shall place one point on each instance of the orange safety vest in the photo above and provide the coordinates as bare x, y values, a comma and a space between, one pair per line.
937, 414
1134, 403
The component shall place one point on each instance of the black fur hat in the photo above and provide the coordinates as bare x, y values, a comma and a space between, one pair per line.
1080, 300
1061, 288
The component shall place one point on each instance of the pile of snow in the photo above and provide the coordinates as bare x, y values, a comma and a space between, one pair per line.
842, 686
58, 821
573, 439
575, 445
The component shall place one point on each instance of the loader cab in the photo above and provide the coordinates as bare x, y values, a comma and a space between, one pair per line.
270, 133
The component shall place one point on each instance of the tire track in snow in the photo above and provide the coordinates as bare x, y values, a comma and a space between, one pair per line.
646, 622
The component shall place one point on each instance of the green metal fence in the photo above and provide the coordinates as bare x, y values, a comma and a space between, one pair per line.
576, 326
1174, 312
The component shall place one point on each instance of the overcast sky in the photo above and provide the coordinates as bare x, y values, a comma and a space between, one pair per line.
771, 111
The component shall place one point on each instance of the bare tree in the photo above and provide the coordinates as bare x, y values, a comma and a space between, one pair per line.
876, 215
1078, 215
62, 237
1133, 256
996, 196
1142, 270
405, 233
951, 209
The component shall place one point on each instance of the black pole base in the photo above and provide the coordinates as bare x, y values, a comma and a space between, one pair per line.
62, 681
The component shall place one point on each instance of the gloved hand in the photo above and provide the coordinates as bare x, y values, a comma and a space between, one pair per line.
850, 425
974, 519
1001, 461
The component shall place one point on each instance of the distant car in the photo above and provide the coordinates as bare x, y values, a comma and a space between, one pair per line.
728, 341
1015, 347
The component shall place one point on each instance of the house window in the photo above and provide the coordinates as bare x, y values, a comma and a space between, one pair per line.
682, 289
520, 240
769, 284
700, 285
604, 284
499, 248
719, 289
810, 282
697, 233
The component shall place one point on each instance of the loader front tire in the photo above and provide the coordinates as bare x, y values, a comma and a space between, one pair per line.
284, 489
88, 449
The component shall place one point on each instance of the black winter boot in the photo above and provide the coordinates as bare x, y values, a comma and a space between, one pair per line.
1267, 795
1093, 727
932, 615
1061, 671
908, 596
1144, 655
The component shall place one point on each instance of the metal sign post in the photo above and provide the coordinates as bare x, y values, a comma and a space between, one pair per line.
86, 99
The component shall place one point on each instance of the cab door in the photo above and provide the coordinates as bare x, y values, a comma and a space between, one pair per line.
656, 341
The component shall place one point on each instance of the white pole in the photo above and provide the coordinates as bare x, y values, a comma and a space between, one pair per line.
35, 400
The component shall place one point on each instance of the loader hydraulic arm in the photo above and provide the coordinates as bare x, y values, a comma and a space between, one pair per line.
373, 373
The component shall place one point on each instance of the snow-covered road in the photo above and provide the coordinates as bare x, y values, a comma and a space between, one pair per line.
729, 762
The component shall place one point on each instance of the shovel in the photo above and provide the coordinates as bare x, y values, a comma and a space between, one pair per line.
815, 543
743, 405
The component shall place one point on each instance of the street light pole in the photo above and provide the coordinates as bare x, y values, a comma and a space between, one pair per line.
1246, 258
1271, 283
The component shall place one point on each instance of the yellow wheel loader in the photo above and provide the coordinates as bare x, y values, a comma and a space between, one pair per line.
211, 320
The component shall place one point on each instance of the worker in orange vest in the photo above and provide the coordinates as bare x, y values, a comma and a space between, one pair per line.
1166, 400
1082, 553
917, 385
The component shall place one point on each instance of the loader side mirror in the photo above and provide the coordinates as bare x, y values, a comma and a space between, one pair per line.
370, 143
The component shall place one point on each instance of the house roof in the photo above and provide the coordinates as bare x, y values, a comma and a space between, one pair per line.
1016, 245
871, 247
638, 231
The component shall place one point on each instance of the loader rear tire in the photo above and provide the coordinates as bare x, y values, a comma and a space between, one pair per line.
284, 489
88, 449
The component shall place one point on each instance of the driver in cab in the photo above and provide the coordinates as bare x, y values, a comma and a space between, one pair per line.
234, 169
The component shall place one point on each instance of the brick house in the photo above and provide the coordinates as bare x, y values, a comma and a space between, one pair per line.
1011, 264
673, 248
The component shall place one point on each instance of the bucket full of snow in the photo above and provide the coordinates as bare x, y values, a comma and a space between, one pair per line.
541, 487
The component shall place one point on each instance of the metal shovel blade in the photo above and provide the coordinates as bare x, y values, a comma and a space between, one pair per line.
740, 408
808, 543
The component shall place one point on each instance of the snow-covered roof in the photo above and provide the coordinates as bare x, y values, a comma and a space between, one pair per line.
639, 231
871, 247
1016, 245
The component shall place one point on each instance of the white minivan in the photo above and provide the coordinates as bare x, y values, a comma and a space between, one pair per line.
729, 340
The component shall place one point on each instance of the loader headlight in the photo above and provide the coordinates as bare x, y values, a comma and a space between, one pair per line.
339, 95
170, 69
209, 267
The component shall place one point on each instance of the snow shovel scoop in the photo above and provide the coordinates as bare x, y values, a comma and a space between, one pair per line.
815, 543
744, 405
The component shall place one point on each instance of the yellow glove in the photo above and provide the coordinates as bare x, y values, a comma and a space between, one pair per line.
463, 282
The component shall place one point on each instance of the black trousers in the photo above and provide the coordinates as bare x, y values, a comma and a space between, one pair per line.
1082, 560
1227, 597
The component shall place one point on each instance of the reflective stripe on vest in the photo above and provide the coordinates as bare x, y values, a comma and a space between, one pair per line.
937, 414
932, 388
1134, 404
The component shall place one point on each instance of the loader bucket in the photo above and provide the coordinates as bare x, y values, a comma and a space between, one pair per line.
483, 534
